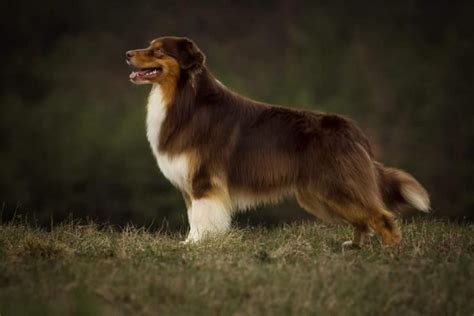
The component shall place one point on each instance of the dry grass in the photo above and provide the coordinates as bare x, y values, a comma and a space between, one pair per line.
297, 269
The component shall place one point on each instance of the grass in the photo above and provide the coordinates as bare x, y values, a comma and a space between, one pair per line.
297, 269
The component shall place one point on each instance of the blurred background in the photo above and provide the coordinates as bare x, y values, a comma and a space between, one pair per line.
72, 133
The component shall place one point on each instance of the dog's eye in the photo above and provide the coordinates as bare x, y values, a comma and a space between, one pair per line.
158, 52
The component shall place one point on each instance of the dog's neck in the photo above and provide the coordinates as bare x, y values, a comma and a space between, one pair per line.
171, 104
204, 84
198, 84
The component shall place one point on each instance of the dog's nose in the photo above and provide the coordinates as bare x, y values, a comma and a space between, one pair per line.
129, 54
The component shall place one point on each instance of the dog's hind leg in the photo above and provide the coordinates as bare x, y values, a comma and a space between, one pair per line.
315, 206
323, 211
385, 224
362, 218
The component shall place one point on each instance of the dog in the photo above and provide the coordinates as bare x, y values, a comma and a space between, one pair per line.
227, 153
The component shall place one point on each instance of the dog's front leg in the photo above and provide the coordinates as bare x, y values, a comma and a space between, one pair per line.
207, 217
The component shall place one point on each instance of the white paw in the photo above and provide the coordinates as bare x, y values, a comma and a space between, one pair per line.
189, 240
350, 245
347, 244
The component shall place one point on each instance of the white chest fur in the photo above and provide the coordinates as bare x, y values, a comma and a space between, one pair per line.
174, 168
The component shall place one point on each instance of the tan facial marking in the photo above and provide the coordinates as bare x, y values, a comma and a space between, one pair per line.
154, 66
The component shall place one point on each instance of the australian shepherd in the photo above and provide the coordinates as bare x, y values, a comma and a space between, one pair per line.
227, 153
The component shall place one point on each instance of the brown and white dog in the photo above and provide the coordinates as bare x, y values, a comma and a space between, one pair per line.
227, 153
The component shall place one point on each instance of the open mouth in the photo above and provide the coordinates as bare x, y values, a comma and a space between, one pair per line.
144, 74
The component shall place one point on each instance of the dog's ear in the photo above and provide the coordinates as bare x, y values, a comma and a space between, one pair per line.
190, 56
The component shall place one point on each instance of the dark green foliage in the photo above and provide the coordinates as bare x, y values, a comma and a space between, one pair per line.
72, 126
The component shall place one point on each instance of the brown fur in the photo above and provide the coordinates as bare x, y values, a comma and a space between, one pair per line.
264, 152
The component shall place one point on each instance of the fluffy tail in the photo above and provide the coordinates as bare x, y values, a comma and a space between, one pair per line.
400, 189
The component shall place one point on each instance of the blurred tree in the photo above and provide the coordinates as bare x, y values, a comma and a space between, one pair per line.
72, 127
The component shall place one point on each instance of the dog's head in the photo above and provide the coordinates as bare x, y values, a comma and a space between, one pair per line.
164, 58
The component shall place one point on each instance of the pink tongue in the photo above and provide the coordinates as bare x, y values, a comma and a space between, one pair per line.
138, 73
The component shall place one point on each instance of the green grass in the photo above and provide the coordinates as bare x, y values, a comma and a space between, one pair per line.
296, 269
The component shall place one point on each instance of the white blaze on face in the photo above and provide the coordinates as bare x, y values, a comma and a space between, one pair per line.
174, 168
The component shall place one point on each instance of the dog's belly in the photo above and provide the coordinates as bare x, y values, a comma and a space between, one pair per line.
247, 199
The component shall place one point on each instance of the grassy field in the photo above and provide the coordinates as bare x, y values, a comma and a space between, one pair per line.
297, 269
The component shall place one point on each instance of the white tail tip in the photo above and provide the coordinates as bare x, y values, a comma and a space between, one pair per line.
416, 197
